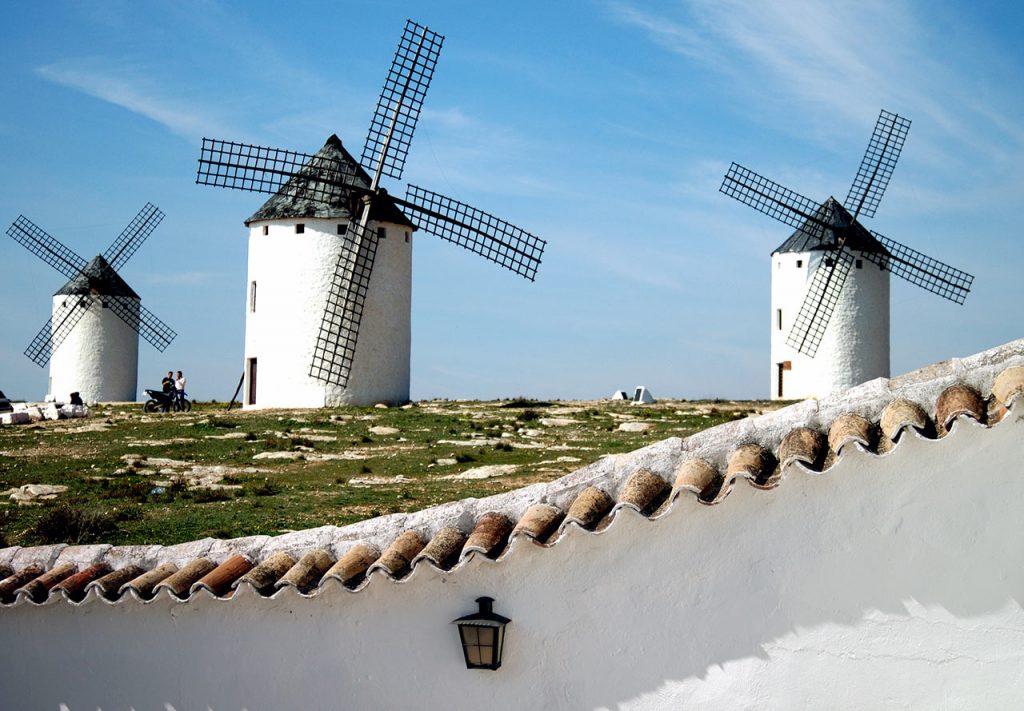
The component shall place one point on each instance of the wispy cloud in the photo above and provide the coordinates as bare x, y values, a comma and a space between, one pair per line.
183, 278
126, 86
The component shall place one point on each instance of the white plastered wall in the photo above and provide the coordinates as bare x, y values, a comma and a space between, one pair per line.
99, 358
854, 348
293, 274
887, 582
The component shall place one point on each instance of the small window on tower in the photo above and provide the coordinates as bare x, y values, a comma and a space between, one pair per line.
799, 263
382, 233
860, 263
407, 235
252, 297
342, 228
778, 318
266, 229
300, 228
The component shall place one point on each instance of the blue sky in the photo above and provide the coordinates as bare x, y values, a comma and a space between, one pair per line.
604, 127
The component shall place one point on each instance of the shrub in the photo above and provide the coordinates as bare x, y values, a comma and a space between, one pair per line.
503, 447
207, 496
528, 416
265, 488
66, 524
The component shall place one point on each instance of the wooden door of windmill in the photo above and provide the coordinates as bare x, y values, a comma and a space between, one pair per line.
251, 395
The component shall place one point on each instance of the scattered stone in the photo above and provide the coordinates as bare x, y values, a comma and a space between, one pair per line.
635, 427
470, 442
28, 494
486, 472
228, 435
446, 462
382, 430
381, 406
558, 421
278, 455
379, 480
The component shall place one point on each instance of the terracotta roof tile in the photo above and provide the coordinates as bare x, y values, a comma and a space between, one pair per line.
755, 463
851, 428
490, 534
899, 412
38, 589
145, 585
803, 445
1009, 385
644, 491
539, 522
109, 585
221, 579
958, 400
74, 585
589, 507
352, 566
180, 583
264, 576
396, 561
308, 571
444, 548
14, 581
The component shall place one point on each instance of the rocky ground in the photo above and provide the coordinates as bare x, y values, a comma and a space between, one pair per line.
123, 476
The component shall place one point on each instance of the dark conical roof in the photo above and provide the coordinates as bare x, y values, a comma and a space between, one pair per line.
293, 199
833, 213
98, 277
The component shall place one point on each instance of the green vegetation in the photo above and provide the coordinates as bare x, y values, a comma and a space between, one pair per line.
169, 478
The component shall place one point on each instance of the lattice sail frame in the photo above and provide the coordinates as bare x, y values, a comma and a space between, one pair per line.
335, 348
877, 165
398, 107
54, 253
480, 232
868, 187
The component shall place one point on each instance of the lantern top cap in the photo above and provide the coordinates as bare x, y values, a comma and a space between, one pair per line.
485, 617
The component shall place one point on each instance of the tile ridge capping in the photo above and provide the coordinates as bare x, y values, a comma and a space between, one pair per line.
609, 474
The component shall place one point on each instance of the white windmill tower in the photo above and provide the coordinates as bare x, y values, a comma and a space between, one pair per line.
92, 338
330, 254
830, 279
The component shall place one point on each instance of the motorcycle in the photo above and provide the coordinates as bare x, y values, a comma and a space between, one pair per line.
162, 401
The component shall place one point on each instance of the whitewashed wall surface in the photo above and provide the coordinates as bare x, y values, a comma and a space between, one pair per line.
871, 559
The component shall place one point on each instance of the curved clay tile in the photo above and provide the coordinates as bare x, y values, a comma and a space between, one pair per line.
218, 581
958, 400
397, 559
539, 522
489, 535
900, 414
643, 491
110, 584
39, 588
265, 575
16, 580
589, 507
180, 582
755, 463
351, 567
1009, 385
145, 584
695, 475
308, 571
851, 428
803, 445
74, 585
444, 548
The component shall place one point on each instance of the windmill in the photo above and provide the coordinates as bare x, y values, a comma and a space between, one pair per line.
92, 339
330, 254
833, 273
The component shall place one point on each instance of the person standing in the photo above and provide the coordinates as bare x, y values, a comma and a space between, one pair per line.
179, 387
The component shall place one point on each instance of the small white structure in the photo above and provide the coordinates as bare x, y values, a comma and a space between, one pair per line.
855, 345
99, 357
642, 396
294, 246
619, 395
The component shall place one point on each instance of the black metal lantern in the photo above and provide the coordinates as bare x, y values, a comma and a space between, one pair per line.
483, 636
